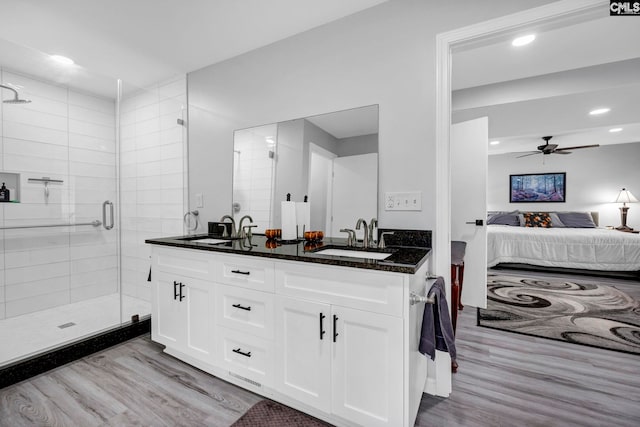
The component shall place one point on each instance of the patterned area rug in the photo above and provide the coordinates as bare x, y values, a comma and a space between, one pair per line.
267, 413
582, 312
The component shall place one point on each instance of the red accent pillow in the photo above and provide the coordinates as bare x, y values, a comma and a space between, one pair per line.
537, 219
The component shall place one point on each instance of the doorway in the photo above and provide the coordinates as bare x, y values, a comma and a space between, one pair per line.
545, 17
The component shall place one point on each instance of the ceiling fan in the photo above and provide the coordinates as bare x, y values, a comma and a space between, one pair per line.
547, 148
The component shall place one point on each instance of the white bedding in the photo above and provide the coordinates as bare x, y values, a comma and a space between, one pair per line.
584, 248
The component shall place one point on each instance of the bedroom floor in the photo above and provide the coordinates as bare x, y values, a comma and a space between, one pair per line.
504, 379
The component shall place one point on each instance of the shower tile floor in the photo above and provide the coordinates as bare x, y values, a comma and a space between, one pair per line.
32, 333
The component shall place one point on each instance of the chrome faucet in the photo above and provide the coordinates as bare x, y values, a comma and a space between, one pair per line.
233, 226
351, 236
241, 230
372, 224
365, 239
381, 243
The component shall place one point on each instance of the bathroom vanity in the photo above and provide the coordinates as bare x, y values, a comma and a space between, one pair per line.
331, 335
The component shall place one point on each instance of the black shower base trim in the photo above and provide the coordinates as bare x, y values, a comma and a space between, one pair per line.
24, 369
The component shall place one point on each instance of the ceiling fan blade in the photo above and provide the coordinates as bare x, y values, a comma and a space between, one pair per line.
529, 154
561, 152
577, 147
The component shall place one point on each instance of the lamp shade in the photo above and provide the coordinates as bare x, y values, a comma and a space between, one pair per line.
624, 196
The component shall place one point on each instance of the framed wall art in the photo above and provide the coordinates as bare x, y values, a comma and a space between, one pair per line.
537, 187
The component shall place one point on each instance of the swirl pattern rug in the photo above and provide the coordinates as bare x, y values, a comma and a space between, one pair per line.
581, 312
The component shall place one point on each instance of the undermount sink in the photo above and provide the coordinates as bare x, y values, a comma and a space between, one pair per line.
354, 253
208, 240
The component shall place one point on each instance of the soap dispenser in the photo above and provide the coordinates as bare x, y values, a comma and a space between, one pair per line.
4, 194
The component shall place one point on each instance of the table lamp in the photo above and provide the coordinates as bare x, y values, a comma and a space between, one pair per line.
624, 197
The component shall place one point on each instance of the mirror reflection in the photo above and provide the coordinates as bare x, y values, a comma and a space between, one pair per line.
330, 158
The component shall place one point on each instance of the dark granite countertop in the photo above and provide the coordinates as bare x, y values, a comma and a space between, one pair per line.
402, 259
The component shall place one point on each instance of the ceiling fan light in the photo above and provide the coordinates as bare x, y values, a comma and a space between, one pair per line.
599, 111
523, 40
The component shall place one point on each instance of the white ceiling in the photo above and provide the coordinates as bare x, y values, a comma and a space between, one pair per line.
528, 93
146, 41
549, 86
348, 123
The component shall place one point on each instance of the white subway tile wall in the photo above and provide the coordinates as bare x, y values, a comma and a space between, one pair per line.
71, 136
152, 177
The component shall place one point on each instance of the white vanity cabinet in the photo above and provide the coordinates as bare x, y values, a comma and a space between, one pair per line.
183, 302
303, 343
339, 335
337, 342
352, 367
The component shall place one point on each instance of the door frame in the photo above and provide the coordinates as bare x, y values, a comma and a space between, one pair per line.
561, 10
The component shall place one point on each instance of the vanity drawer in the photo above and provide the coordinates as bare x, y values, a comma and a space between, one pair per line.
245, 271
246, 355
245, 310
183, 262
376, 291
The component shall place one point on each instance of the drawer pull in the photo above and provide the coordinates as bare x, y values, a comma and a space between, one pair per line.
241, 307
181, 296
175, 290
237, 350
335, 327
322, 331
246, 273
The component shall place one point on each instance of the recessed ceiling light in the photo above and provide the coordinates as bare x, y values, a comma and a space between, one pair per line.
613, 130
523, 40
598, 111
62, 59
494, 142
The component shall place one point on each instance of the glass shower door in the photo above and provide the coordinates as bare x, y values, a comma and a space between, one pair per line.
59, 278
94, 167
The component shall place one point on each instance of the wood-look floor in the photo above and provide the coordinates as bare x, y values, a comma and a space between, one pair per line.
504, 379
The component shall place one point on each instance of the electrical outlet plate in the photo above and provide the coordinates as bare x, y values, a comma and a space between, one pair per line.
403, 201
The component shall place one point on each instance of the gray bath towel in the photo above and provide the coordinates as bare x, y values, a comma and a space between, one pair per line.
437, 330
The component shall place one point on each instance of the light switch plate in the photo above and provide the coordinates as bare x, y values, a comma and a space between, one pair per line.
403, 201
199, 200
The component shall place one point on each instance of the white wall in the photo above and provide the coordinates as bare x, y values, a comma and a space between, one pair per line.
153, 183
384, 55
594, 178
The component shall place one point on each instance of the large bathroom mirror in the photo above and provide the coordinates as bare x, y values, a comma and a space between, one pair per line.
330, 158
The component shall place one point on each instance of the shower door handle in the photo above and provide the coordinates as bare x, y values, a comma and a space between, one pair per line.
104, 214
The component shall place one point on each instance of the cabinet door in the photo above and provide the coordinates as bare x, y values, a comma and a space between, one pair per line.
167, 317
367, 367
303, 358
198, 300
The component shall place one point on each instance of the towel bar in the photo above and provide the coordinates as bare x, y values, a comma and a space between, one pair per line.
417, 299
95, 223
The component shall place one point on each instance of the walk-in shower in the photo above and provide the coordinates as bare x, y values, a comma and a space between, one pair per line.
16, 99
94, 167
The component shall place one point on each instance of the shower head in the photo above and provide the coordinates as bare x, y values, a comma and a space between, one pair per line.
16, 99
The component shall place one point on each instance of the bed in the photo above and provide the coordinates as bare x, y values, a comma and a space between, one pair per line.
585, 248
